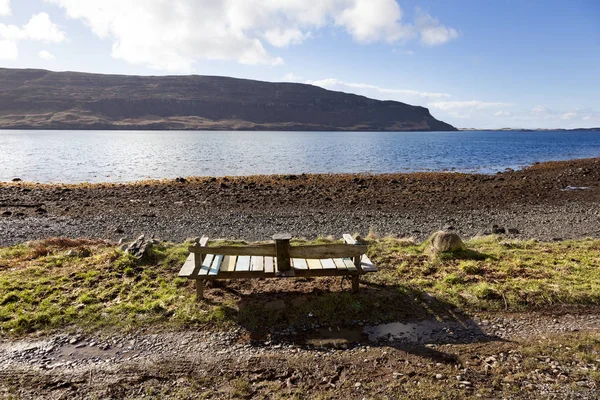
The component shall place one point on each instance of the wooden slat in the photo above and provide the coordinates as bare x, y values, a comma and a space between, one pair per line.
256, 263
367, 265
206, 264
299, 263
251, 250
216, 264
188, 266
349, 264
312, 251
349, 239
339, 264
314, 263
203, 241
228, 264
269, 267
243, 263
328, 263
327, 251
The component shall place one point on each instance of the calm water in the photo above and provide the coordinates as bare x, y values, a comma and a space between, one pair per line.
97, 156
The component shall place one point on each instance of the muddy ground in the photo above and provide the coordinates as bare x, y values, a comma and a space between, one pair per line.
487, 356
556, 200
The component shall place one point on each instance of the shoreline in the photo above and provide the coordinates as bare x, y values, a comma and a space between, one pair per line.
535, 201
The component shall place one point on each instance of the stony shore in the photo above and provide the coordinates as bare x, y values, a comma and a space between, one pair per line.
547, 201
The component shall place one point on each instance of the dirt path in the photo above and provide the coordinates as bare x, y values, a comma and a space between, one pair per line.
367, 362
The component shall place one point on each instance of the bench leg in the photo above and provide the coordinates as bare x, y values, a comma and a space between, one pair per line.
199, 289
355, 283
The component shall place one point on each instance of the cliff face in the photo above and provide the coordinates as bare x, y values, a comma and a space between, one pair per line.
67, 100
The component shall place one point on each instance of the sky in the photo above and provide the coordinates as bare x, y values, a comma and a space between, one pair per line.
472, 63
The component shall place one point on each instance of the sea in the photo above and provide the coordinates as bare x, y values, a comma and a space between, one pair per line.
125, 156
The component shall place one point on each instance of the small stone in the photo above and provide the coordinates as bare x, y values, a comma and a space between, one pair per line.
439, 376
6, 214
16, 179
357, 384
513, 231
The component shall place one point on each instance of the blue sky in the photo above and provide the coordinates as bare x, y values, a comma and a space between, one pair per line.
473, 63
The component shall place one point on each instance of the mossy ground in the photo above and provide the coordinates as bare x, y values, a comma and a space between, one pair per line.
65, 283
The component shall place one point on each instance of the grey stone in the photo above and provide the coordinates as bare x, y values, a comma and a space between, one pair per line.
445, 242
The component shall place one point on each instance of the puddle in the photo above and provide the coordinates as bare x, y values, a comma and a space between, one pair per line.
429, 331
336, 337
569, 188
76, 352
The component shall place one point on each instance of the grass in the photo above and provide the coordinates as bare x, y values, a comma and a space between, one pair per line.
61, 283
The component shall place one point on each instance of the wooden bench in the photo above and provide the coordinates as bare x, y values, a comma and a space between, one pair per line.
275, 260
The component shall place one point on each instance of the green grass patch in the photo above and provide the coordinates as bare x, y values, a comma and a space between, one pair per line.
58, 283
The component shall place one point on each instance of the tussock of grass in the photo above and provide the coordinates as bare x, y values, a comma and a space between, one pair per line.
62, 282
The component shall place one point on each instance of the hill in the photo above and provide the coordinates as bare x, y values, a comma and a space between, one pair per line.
40, 99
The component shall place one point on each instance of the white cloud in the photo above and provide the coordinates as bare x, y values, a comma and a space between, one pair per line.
467, 105
284, 37
373, 20
404, 95
39, 28
291, 77
5, 7
432, 33
8, 50
46, 55
175, 34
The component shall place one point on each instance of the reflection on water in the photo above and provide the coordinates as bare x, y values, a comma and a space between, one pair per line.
117, 156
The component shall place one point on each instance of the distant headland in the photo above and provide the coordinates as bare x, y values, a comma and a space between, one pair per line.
41, 99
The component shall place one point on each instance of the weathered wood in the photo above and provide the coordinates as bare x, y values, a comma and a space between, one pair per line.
269, 265
349, 239
313, 263
282, 251
367, 265
188, 267
251, 250
355, 283
199, 258
256, 263
328, 263
243, 263
299, 263
199, 289
216, 264
228, 263
327, 251
206, 264
349, 264
203, 241
298, 273
339, 264
270, 250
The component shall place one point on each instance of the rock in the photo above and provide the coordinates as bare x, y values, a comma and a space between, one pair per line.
140, 247
119, 230
41, 211
439, 376
17, 180
180, 180
444, 242
498, 230
513, 231
6, 214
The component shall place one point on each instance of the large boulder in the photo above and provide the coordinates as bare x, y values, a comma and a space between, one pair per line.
446, 242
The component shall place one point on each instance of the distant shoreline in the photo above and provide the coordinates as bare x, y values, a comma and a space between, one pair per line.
531, 130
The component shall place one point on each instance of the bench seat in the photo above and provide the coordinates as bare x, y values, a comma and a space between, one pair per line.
243, 267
